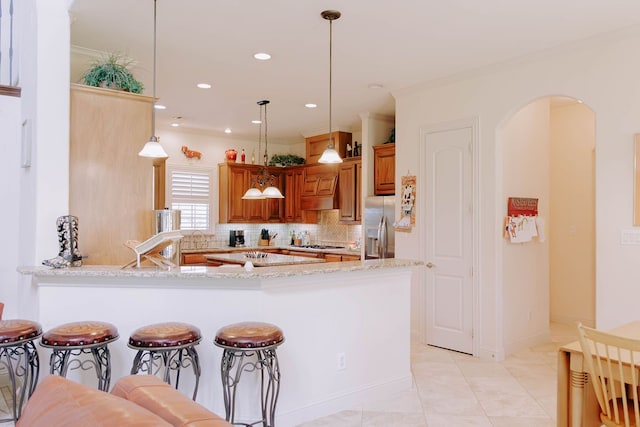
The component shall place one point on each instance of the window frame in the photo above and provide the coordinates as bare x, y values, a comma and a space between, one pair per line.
189, 170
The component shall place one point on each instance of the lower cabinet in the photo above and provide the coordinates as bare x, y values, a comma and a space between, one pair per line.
193, 259
339, 258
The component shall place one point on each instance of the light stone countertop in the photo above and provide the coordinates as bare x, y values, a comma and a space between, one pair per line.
343, 251
223, 272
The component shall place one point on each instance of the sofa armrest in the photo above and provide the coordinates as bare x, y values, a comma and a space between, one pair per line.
152, 393
59, 402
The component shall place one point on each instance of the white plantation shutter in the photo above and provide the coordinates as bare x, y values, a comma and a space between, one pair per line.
190, 192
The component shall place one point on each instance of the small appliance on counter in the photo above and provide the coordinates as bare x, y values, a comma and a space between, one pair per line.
236, 238
168, 220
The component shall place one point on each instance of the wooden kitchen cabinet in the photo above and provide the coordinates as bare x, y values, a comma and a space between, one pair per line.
384, 169
110, 186
350, 190
318, 143
234, 180
193, 259
340, 258
293, 184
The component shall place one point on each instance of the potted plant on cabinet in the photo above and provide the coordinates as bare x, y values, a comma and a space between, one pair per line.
112, 73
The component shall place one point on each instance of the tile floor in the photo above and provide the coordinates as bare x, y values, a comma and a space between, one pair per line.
453, 389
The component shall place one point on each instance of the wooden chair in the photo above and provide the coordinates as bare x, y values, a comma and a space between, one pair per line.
613, 364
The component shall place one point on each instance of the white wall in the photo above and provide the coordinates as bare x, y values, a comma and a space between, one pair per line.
525, 268
603, 73
571, 230
41, 190
10, 214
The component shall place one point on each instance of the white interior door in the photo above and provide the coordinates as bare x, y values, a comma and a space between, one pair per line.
448, 237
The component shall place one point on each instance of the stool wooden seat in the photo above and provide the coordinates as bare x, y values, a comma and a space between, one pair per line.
169, 346
245, 340
77, 338
20, 356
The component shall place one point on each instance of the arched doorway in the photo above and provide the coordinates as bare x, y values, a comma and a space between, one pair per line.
548, 149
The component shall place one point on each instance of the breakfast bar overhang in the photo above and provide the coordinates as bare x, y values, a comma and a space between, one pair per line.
358, 312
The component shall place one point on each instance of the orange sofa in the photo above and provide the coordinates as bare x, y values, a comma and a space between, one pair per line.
135, 400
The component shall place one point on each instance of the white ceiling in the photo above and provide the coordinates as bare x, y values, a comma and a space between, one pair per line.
396, 43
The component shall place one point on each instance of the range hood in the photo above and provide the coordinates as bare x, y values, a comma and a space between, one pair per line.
319, 189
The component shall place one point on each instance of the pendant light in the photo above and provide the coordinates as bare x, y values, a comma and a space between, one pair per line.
330, 155
264, 178
153, 148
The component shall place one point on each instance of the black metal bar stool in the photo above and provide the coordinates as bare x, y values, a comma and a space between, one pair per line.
245, 340
19, 355
71, 340
168, 346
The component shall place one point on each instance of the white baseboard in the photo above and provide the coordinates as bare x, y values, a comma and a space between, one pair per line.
345, 401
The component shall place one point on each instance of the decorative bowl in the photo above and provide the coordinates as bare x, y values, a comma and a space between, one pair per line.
231, 155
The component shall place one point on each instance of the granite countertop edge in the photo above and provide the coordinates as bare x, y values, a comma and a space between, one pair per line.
223, 272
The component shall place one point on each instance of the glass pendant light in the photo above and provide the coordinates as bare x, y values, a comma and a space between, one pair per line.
264, 178
330, 155
153, 148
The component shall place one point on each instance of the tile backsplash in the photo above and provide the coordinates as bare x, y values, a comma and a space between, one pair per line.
328, 231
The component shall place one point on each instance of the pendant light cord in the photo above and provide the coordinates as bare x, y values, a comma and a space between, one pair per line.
266, 156
260, 132
330, 80
153, 110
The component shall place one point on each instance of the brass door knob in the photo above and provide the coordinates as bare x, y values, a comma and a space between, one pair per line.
430, 265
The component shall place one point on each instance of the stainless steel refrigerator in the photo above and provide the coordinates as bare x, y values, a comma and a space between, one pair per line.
379, 214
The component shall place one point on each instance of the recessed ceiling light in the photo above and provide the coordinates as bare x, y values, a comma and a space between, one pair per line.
175, 125
160, 107
262, 56
310, 105
375, 86
227, 130
256, 122
204, 85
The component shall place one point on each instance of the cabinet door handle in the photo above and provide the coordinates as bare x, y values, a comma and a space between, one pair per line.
430, 265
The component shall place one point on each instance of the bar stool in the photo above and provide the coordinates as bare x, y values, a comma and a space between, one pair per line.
71, 340
245, 340
20, 356
169, 346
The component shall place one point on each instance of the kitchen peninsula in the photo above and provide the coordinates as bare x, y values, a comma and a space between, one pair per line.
346, 324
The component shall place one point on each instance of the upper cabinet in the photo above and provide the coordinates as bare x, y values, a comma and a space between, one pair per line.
317, 144
350, 194
234, 180
110, 186
294, 182
384, 169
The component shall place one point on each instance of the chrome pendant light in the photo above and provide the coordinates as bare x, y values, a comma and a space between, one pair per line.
330, 155
153, 148
264, 178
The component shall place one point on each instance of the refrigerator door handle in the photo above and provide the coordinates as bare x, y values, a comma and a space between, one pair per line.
382, 237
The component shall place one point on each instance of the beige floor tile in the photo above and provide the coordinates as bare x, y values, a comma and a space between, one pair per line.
439, 420
455, 389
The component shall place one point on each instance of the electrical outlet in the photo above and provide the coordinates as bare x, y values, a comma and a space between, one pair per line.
341, 359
